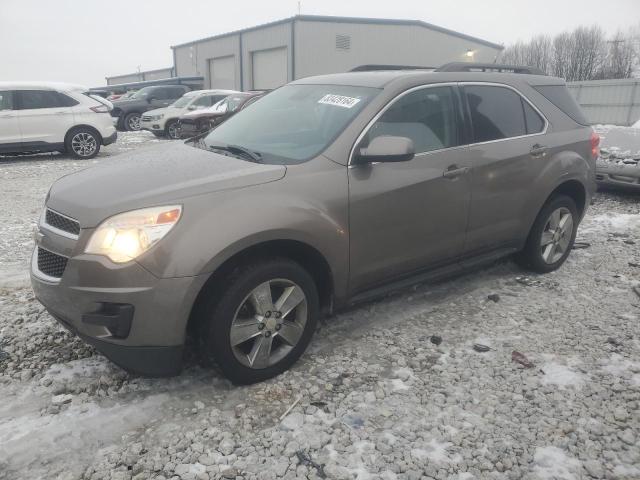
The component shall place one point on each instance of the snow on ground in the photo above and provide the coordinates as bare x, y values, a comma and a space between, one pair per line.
377, 399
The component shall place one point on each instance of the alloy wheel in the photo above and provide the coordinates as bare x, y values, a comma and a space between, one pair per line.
84, 144
263, 332
134, 123
173, 131
556, 235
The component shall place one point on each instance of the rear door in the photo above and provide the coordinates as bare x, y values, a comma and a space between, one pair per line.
10, 136
408, 216
45, 116
507, 156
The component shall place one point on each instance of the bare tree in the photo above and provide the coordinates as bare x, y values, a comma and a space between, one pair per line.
582, 54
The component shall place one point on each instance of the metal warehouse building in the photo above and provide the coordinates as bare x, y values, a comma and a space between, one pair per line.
270, 55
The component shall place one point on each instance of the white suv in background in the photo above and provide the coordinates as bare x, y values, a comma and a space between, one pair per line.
164, 121
49, 117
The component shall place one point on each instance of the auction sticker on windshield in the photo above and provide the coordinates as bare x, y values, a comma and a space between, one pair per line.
339, 100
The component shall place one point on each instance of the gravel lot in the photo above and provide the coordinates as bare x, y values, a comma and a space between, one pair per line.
392, 389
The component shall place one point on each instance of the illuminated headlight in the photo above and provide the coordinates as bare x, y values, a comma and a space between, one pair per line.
128, 235
157, 117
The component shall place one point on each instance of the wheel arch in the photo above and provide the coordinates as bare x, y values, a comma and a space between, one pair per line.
302, 253
83, 125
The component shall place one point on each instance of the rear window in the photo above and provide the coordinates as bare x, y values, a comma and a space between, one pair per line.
559, 95
496, 113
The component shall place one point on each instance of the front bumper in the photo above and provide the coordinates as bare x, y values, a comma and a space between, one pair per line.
618, 176
148, 338
152, 125
189, 129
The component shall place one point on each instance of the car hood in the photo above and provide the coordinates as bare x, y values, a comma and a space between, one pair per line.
166, 111
153, 176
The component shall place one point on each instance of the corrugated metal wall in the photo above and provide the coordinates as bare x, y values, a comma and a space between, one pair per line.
157, 74
615, 102
326, 47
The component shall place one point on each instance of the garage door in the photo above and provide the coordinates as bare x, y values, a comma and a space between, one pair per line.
269, 68
222, 72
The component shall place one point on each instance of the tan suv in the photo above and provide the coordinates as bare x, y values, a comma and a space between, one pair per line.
328, 191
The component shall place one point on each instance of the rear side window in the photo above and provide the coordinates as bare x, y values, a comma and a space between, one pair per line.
559, 95
426, 116
173, 92
36, 99
6, 100
535, 123
496, 113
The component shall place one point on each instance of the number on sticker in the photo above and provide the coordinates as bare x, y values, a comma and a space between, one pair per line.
339, 100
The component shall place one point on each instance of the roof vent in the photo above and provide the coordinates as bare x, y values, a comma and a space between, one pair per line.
343, 42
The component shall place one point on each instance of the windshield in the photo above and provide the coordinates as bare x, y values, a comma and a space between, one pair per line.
231, 103
293, 123
183, 101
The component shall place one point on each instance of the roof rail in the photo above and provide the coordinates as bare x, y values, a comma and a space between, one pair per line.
488, 67
374, 67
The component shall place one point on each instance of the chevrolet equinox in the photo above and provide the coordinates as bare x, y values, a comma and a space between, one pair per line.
329, 191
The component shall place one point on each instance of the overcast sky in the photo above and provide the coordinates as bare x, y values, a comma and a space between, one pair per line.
82, 41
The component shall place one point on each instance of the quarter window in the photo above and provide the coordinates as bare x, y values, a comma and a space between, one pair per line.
535, 123
426, 116
496, 112
6, 100
36, 99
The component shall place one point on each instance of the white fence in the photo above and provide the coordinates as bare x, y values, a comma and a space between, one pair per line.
615, 102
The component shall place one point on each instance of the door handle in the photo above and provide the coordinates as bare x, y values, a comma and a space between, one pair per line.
538, 150
454, 171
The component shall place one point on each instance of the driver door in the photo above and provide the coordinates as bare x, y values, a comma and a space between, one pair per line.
412, 215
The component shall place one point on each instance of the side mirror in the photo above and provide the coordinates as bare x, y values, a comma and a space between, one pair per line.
386, 148
192, 107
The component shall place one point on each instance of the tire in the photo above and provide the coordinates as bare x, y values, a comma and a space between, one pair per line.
132, 122
82, 142
159, 134
172, 130
548, 253
242, 309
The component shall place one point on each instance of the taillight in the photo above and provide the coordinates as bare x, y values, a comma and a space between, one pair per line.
595, 142
100, 109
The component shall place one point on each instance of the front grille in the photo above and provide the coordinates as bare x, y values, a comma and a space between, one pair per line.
50, 263
61, 222
146, 118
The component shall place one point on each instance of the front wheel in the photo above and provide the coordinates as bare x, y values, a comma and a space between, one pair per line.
262, 321
172, 130
132, 122
552, 235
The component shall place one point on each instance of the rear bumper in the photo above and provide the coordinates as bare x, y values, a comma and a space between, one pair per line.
110, 139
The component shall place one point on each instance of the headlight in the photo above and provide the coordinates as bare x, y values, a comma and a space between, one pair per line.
157, 117
126, 236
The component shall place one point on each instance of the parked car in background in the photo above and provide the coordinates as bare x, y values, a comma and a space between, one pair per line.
128, 112
328, 191
617, 170
49, 117
200, 121
164, 121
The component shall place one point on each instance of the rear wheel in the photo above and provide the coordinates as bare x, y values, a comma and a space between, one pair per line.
552, 235
82, 143
261, 323
132, 122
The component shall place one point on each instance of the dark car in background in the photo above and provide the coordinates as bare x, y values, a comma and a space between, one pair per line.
129, 111
194, 123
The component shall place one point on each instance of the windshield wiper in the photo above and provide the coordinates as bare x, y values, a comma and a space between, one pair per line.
238, 150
